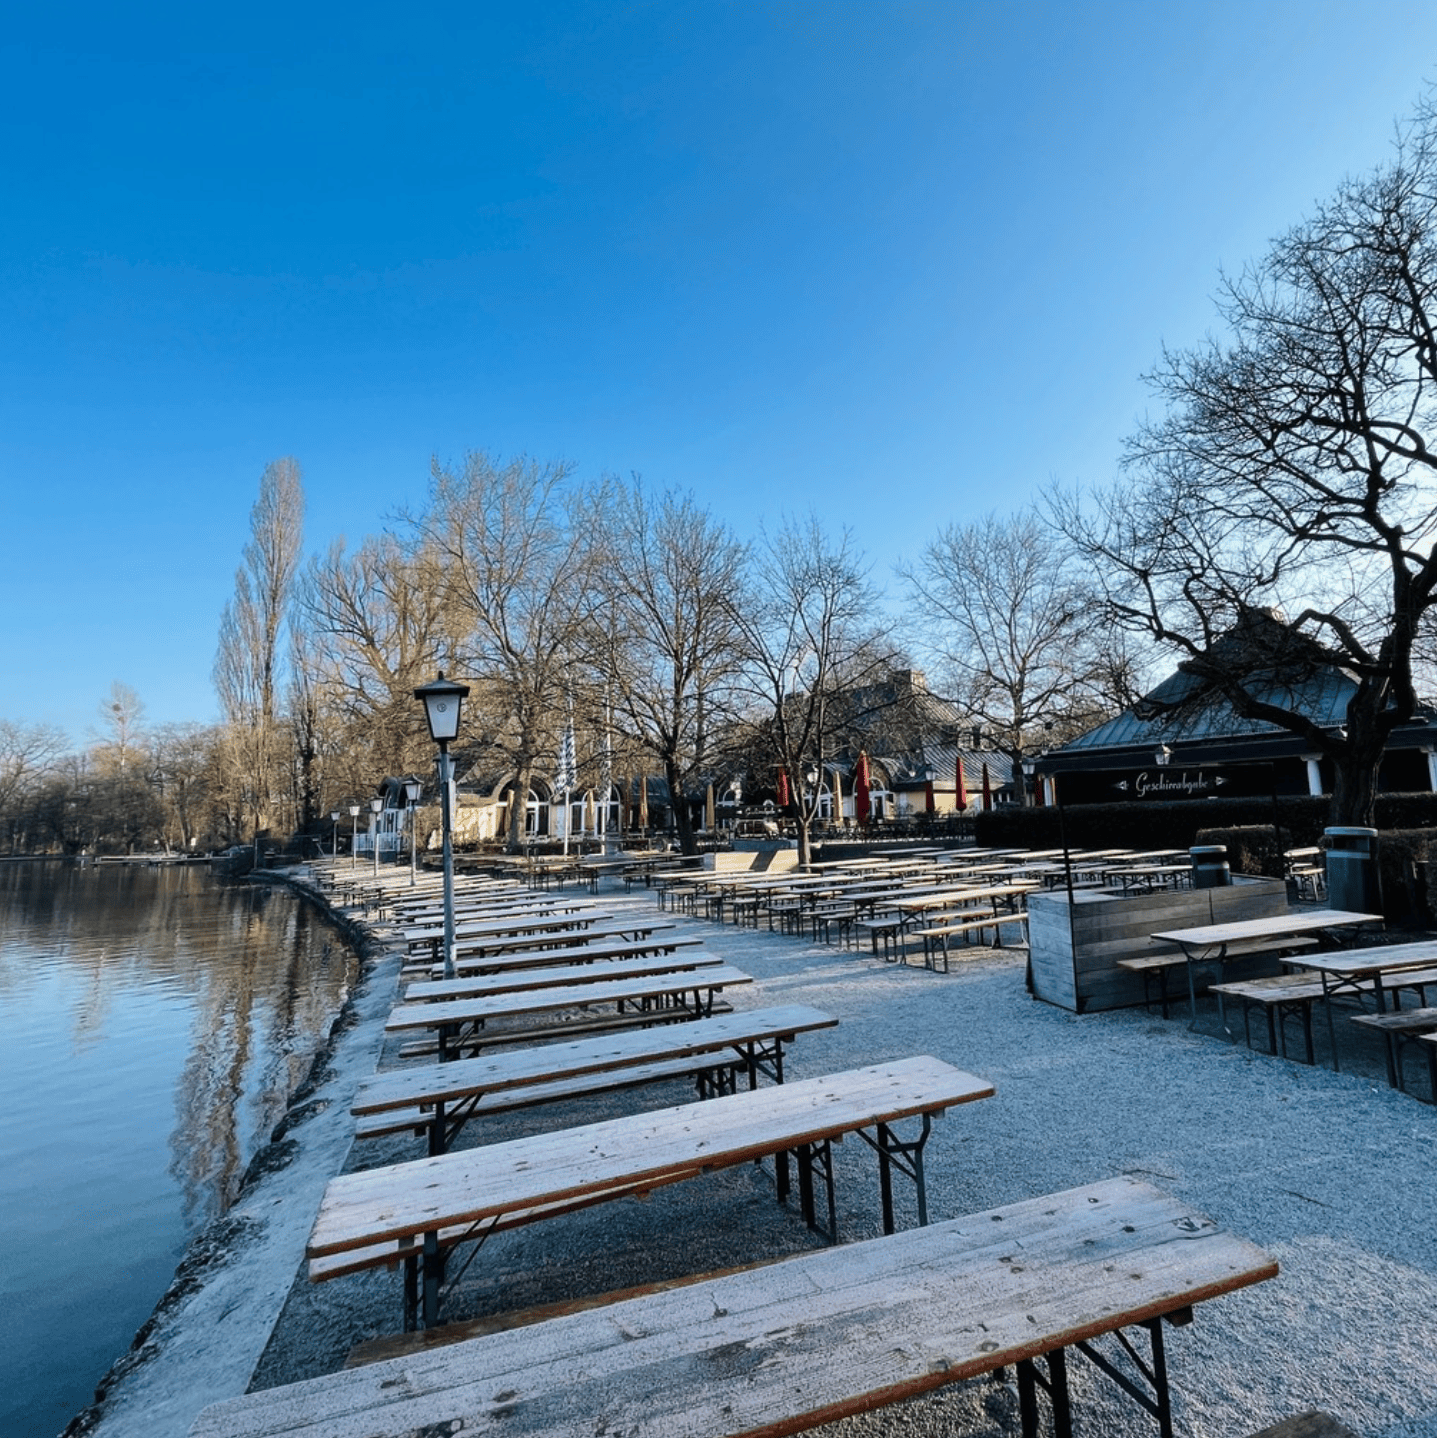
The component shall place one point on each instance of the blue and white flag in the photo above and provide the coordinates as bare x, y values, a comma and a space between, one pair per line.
568, 775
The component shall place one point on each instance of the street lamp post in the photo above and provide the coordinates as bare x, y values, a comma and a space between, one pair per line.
353, 835
412, 790
334, 835
375, 806
443, 702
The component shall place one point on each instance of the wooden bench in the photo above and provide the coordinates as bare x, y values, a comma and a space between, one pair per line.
1292, 995
415, 1212
596, 950
1308, 868
529, 918
890, 928
476, 952
714, 1074
512, 981
831, 914
1160, 965
949, 928
462, 1025
440, 1099
1281, 997
1398, 1027
787, 1346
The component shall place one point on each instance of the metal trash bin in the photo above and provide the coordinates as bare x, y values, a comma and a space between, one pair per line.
1210, 870
1353, 880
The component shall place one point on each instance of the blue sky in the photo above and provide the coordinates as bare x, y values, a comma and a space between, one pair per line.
898, 263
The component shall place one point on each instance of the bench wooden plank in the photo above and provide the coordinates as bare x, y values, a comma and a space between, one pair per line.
473, 986
515, 923
803, 1341
510, 1005
480, 951
400, 1201
559, 1091
444, 1083
1140, 962
539, 958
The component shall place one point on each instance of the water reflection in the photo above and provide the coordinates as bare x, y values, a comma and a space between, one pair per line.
156, 1022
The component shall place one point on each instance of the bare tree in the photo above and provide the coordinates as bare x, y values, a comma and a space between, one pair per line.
812, 629
181, 765
668, 639
1293, 473
1005, 611
29, 754
122, 714
380, 621
247, 670
518, 541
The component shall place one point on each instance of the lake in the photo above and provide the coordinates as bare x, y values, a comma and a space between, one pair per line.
155, 1022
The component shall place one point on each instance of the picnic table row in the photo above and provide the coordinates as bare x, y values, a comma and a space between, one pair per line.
933, 898
772, 1347
1323, 959
561, 1002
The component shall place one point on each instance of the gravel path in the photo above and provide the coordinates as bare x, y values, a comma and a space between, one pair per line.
1332, 1174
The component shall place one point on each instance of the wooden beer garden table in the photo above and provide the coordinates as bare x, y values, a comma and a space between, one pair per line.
417, 1211
1217, 943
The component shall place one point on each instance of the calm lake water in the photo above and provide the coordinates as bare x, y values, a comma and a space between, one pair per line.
153, 1023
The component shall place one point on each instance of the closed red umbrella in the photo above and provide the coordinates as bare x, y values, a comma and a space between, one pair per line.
860, 789
987, 789
960, 789
783, 788
928, 804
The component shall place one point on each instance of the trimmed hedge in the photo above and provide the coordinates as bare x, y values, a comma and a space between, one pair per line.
1406, 849
1176, 825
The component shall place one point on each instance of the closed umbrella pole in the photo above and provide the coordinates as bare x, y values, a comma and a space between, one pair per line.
987, 789
644, 801
709, 809
960, 789
861, 783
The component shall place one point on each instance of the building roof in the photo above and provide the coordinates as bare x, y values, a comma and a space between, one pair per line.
1186, 709
1322, 695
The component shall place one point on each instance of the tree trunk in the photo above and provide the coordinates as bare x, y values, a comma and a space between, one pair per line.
805, 839
518, 810
678, 806
1354, 791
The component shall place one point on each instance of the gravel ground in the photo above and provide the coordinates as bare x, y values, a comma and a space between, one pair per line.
1331, 1173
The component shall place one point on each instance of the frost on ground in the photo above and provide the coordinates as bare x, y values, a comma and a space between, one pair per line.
1332, 1173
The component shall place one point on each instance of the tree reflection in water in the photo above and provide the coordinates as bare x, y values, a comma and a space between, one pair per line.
139, 1003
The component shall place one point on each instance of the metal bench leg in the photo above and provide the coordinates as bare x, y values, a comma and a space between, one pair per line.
906, 1155
817, 1158
1156, 1398
433, 1273
1055, 1385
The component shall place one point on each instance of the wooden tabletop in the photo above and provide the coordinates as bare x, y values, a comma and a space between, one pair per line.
404, 1017
478, 947
591, 971
518, 923
527, 1175
784, 1346
569, 953
1381, 959
545, 1063
1298, 921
